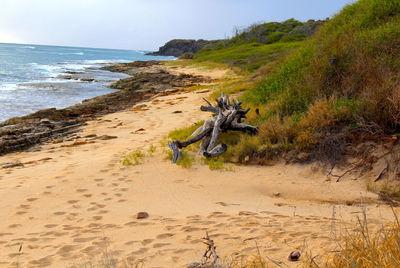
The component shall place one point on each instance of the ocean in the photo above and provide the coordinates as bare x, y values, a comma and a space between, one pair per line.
35, 77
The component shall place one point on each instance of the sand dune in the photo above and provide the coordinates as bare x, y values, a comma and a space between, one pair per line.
72, 200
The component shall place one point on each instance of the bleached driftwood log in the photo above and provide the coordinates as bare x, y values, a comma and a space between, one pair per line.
226, 116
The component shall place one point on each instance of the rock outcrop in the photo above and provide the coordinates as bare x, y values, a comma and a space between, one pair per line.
178, 47
21, 133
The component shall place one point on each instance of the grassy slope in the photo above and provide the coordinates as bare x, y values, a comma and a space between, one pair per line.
364, 42
346, 77
248, 57
343, 80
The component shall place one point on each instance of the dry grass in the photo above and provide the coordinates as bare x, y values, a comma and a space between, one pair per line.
363, 247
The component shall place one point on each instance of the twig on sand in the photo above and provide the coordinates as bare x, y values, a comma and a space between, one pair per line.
210, 252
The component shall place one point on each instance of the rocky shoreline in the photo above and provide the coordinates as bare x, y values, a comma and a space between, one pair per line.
148, 79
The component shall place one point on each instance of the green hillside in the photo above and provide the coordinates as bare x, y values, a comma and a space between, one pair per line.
343, 80
258, 44
247, 57
340, 86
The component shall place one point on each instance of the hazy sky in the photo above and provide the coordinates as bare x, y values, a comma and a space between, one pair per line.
144, 24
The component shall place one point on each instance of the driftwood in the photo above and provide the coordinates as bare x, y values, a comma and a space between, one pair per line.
226, 116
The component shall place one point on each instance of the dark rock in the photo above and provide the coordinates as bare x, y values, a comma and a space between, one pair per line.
141, 106
107, 137
130, 68
22, 133
178, 47
90, 136
87, 79
142, 215
294, 256
45, 121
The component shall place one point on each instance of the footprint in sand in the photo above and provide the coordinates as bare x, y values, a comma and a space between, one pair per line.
51, 225
23, 206
159, 245
190, 229
42, 262
97, 218
59, 213
84, 239
147, 241
171, 227
32, 199
21, 212
15, 225
66, 250
139, 251
129, 243
103, 211
164, 236
81, 190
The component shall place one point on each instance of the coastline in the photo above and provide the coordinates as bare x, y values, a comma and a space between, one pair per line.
73, 200
147, 80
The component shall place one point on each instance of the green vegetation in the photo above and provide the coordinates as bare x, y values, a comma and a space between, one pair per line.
272, 32
152, 149
247, 57
257, 45
186, 161
316, 93
134, 158
344, 78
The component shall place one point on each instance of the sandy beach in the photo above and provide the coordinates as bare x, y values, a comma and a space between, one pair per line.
73, 200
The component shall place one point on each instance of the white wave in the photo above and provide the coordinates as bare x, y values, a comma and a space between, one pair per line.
46, 67
78, 53
73, 66
30, 47
94, 62
8, 87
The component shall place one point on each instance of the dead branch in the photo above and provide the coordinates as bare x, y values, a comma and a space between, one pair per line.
210, 252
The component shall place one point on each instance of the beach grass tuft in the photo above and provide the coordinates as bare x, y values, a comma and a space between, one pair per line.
134, 158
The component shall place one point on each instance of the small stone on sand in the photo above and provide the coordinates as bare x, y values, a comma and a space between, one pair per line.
142, 215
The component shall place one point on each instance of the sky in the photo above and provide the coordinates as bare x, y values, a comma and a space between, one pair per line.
144, 24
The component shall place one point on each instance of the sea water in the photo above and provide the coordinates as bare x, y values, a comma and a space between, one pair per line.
33, 77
